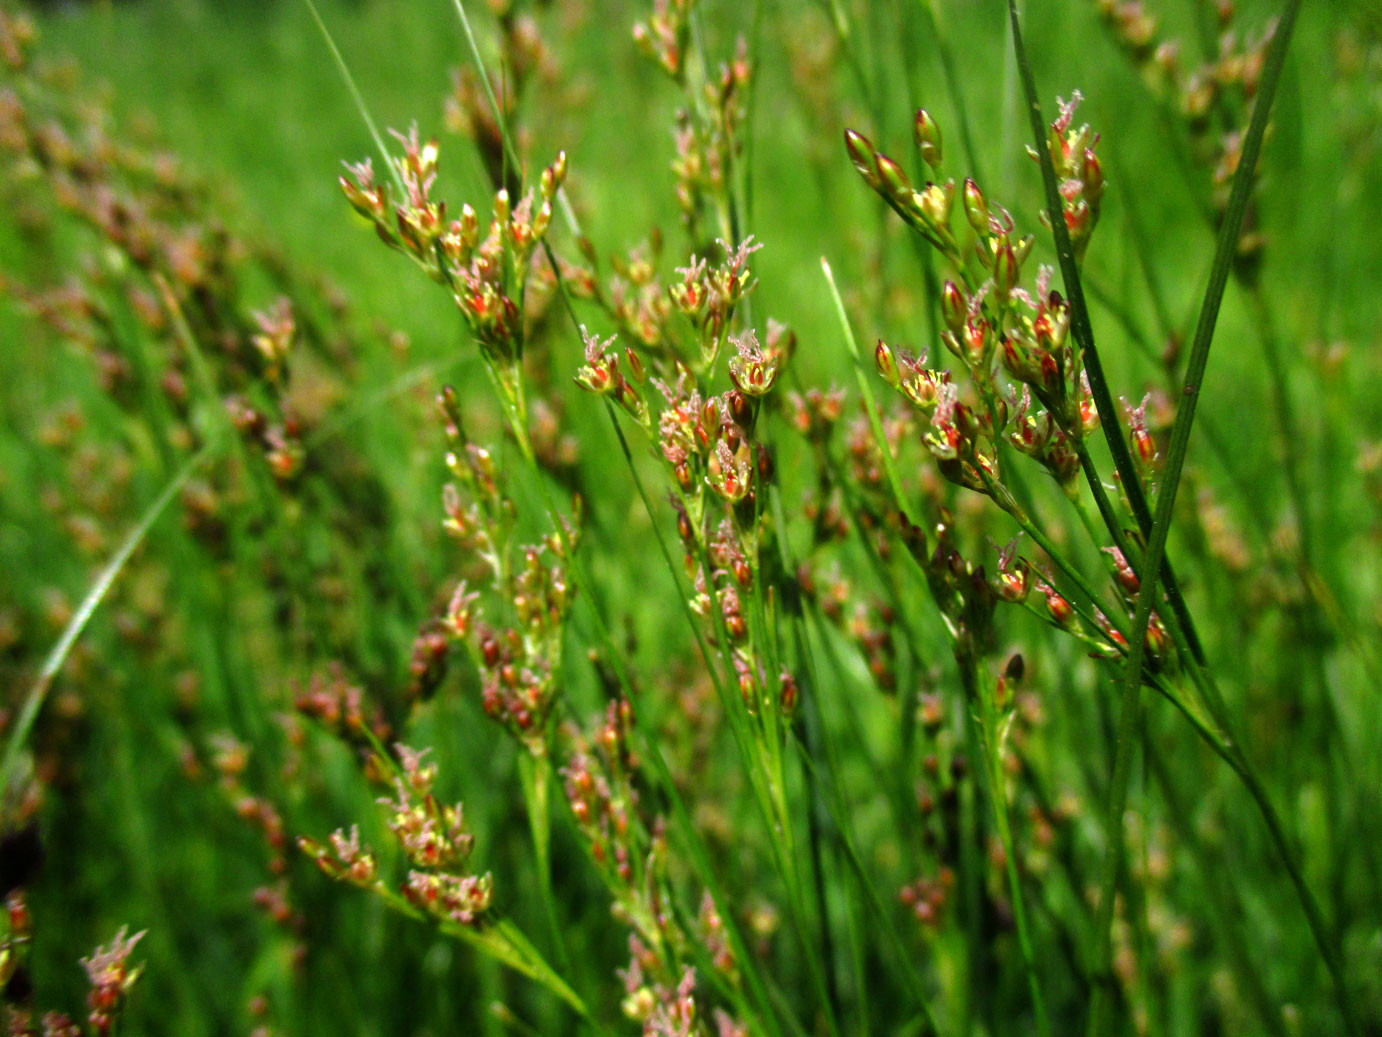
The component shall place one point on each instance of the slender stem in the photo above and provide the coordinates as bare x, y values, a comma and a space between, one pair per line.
977, 698
100, 587
535, 775
866, 391
358, 99
1223, 901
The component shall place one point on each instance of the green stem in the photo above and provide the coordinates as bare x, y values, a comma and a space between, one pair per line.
100, 587
358, 99
990, 743
866, 391
1225, 909
535, 773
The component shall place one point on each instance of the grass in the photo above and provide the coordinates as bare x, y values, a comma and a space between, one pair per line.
914, 835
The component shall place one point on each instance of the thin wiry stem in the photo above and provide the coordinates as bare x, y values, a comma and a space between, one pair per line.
357, 98
100, 587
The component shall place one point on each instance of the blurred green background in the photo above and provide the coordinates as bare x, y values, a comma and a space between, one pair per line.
247, 93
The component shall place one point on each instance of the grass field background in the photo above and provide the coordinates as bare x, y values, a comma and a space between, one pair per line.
207, 636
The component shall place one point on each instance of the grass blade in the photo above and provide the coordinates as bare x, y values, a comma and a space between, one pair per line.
100, 587
357, 98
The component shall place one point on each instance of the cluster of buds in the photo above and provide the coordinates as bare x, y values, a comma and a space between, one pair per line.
928, 210
427, 660
709, 444
1040, 352
111, 976
433, 838
664, 35
344, 858
280, 442
274, 339
674, 1014
927, 898
709, 140
1035, 433
518, 662
638, 301
598, 781
866, 467
163, 256
960, 439
523, 54
601, 374
338, 705
871, 628
467, 112
478, 514
16, 939
1161, 655
963, 594
228, 761
997, 245
630, 853
869, 625
486, 276
816, 413
1079, 174
667, 1008
432, 835
969, 334
707, 295
518, 686
996, 321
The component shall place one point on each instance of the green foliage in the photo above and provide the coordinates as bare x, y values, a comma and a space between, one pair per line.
754, 723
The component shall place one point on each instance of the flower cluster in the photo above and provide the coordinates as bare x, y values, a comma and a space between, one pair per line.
707, 442
434, 842
631, 856
708, 129
111, 976
598, 779
1079, 173
486, 276
519, 662
927, 210
339, 706
992, 323
960, 438
664, 35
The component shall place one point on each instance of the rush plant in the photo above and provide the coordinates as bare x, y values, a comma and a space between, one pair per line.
612, 667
